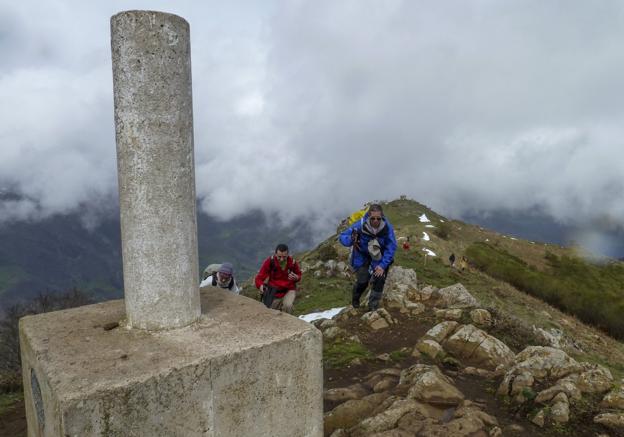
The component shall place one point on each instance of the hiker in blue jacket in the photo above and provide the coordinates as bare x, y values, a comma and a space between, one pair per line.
373, 246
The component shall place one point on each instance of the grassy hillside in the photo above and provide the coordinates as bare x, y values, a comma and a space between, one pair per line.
531, 284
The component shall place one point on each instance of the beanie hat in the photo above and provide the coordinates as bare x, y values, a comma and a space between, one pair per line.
226, 268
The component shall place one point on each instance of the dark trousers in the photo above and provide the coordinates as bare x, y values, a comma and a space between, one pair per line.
362, 279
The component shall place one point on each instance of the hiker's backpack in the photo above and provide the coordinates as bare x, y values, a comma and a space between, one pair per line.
211, 270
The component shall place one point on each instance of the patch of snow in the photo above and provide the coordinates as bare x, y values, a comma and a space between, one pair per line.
513, 238
429, 226
441, 221
423, 219
425, 236
401, 238
327, 314
487, 239
429, 252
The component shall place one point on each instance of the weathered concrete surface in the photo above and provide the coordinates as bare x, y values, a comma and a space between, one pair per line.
154, 132
241, 370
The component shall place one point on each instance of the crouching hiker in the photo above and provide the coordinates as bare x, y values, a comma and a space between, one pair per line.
373, 246
220, 275
277, 280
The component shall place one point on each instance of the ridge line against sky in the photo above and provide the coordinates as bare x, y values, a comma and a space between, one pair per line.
310, 108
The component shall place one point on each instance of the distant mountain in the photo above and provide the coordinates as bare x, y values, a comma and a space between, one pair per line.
60, 253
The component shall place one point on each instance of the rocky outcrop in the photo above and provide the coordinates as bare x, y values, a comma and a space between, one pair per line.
378, 319
475, 347
455, 296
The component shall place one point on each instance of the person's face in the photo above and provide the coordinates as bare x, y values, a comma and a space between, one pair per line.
281, 256
375, 218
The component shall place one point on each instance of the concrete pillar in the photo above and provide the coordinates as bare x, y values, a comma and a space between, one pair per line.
154, 131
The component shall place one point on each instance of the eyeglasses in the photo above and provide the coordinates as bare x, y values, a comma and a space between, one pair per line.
377, 219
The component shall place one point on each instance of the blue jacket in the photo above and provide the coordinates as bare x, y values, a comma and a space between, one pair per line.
386, 239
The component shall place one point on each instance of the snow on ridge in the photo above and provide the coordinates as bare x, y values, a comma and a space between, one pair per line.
429, 226
423, 218
429, 252
425, 236
327, 314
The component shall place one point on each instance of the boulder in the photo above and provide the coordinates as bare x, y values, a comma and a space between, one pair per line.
560, 409
335, 332
553, 337
561, 387
521, 382
385, 384
421, 295
449, 314
342, 394
614, 399
325, 323
542, 362
611, 420
594, 379
440, 331
540, 418
398, 275
351, 412
478, 348
481, 317
386, 419
375, 321
428, 384
430, 348
454, 296
414, 308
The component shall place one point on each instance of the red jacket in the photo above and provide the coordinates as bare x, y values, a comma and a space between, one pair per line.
278, 278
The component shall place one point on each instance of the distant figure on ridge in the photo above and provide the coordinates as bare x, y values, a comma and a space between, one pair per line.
220, 275
406, 244
452, 260
373, 246
277, 280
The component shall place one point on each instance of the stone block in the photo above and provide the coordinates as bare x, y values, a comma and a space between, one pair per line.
241, 370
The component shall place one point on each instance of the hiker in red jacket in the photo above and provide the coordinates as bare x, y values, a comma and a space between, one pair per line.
277, 280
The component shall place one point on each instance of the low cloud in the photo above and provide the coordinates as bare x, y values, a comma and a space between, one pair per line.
312, 108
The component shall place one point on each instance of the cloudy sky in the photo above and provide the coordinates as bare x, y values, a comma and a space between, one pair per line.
314, 107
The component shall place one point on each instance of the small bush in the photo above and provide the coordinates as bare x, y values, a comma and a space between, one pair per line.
443, 230
327, 252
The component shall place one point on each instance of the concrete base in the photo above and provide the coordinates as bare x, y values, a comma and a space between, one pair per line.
242, 370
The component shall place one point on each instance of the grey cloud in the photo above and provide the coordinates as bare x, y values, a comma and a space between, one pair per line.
312, 108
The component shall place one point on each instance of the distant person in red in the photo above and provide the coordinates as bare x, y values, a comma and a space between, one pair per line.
277, 280
406, 245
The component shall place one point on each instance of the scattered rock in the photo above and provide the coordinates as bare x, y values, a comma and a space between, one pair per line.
521, 382
430, 385
474, 371
611, 420
384, 357
342, 394
351, 412
560, 409
561, 387
495, 432
430, 348
378, 319
481, 317
614, 399
455, 296
421, 295
540, 418
386, 419
385, 384
335, 332
440, 331
446, 314
553, 337
478, 348
595, 379
541, 362
326, 323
